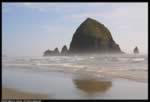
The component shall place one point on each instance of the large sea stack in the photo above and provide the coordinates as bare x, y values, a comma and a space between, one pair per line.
92, 36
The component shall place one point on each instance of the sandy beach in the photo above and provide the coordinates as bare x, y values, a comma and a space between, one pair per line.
55, 78
8, 93
63, 86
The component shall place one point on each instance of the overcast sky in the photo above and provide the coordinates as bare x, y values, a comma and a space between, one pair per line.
28, 29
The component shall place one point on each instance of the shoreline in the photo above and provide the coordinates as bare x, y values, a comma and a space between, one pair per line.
59, 85
10, 93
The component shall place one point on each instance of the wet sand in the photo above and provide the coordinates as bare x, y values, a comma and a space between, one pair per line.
8, 93
59, 85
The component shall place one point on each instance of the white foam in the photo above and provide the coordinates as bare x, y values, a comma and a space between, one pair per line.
138, 59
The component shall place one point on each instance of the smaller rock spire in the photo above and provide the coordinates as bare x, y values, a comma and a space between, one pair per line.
64, 50
136, 50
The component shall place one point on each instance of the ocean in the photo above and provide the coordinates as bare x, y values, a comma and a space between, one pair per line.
93, 76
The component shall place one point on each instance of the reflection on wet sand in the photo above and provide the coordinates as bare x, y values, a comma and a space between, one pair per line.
92, 86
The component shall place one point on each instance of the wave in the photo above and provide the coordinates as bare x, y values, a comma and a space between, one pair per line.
94, 65
77, 59
138, 59
133, 74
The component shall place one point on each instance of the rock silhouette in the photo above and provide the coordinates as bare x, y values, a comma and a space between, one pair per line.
92, 36
50, 52
56, 51
136, 50
64, 50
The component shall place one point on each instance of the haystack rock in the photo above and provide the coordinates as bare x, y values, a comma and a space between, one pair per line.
136, 50
92, 36
64, 50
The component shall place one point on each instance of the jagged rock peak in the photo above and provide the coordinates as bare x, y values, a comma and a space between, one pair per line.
64, 50
50, 52
47, 52
56, 50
